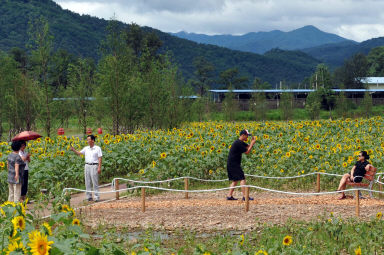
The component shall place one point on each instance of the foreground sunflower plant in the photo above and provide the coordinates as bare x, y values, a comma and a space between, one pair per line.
21, 233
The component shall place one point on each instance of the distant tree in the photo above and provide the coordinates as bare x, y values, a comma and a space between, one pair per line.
21, 57
30, 93
367, 104
321, 78
135, 38
230, 80
10, 82
81, 89
286, 105
341, 103
259, 100
41, 44
205, 73
313, 104
230, 106
353, 72
114, 75
58, 69
376, 61
152, 44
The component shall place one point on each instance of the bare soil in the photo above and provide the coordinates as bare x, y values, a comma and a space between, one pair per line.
212, 212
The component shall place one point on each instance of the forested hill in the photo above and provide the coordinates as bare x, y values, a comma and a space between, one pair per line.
82, 35
260, 42
335, 54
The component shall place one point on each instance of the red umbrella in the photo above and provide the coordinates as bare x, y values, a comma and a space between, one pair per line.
26, 136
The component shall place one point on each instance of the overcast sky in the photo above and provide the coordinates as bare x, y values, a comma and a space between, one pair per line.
358, 20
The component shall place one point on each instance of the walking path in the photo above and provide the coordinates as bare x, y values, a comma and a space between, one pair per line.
78, 200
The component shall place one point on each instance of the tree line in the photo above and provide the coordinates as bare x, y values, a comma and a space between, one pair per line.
132, 86
136, 85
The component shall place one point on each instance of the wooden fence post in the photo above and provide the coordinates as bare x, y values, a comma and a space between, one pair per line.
318, 183
117, 189
381, 190
246, 199
357, 197
143, 199
186, 187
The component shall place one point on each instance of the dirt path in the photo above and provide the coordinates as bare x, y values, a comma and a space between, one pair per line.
78, 200
210, 211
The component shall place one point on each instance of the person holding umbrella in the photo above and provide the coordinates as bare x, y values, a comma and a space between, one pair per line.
26, 157
235, 172
93, 157
16, 164
15, 172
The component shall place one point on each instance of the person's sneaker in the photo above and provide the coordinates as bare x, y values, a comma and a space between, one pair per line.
89, 199
249, 198
231, 198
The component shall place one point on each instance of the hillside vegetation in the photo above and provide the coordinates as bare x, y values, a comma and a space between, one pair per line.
82, 35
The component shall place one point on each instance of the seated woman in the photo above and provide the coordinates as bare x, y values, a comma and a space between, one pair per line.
357, 173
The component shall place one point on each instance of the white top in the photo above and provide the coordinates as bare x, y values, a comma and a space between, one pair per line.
92, 155
23, 154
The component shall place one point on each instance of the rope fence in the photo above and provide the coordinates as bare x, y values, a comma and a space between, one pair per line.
186, 190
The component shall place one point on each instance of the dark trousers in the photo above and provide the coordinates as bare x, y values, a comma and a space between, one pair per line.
24, 186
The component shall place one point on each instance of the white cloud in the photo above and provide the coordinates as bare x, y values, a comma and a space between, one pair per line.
354, 19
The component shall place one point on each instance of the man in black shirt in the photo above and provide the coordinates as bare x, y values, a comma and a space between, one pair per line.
235, 172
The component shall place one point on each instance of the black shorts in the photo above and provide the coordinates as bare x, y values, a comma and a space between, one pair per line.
357, 179
236, 175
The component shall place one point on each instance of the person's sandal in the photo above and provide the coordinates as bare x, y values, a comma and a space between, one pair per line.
342, 197
231, 198
249, 198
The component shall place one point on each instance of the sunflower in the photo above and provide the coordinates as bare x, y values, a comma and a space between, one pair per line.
345, 164
358, 251
47, 228
106, 141
262, 252
163, 155
218, 151
288, 154
18, 223
318, 146
72, 212
287, 240
16, 247
2, 164
65, 208
62, 153
39, 243
141, 171
210, 172
242, 239
379, 215
76, 222
153, 164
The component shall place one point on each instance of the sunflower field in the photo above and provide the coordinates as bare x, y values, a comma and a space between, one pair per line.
200, 149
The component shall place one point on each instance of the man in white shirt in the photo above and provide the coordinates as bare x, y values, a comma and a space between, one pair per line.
92, 169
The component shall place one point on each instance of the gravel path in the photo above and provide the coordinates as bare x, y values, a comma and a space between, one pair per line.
210, 211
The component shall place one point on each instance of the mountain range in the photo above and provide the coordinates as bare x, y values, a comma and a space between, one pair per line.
82, 35
261, 42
